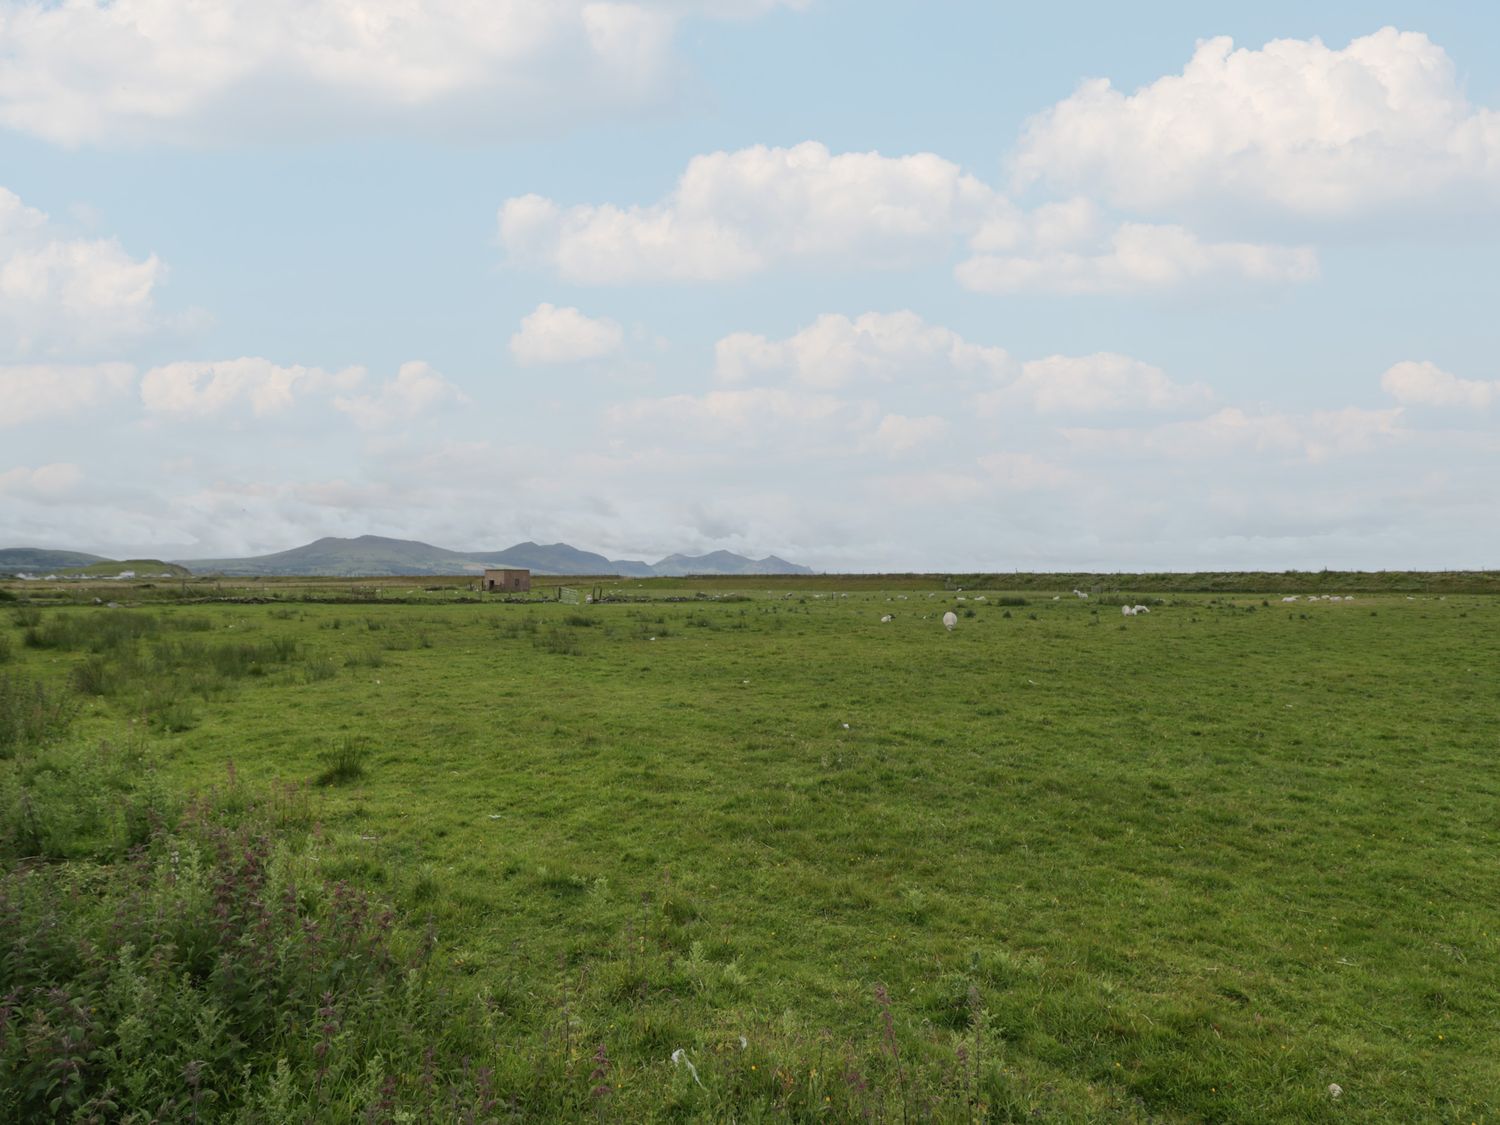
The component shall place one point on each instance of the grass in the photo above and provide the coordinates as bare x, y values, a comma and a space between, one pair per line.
1191, 866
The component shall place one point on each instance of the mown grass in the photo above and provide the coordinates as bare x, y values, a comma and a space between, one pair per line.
1191, 866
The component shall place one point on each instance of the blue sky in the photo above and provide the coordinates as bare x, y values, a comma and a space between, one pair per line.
873, 286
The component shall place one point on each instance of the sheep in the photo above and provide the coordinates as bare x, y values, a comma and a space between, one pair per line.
1127, 610
1290, 599
1142, 609
1080, 593
886, 620
950, 620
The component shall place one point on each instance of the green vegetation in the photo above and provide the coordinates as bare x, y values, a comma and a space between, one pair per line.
1057, 865
129, 568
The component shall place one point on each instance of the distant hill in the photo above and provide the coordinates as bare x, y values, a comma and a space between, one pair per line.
127, 568
376, 556
42, 560
725, 562
559, 558
368, 555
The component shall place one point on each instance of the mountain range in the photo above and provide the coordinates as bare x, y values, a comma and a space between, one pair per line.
377, 556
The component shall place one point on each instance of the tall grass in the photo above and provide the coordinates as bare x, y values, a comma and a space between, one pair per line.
31, 712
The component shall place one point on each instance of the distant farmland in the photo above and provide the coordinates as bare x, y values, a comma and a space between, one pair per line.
1232, 860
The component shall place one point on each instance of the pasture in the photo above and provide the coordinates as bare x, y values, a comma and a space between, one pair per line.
1232, 860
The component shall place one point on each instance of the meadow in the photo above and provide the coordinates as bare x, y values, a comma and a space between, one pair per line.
1234, 860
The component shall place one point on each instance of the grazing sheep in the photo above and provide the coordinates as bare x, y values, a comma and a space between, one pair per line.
886, 620
1290, 599
950, 620
1080, 593
1142, 609
1127, 610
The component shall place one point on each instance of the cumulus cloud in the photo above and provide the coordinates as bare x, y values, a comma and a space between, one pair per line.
46, 482
1024, 472
59, 293
416, 389
564, 335
837, 350
751, 415
1427, 384
202, 389
113, 71
1295, 126
736, 213
1137, 258
1313, 437
897, 433
34, 393
901, 348
1104, 381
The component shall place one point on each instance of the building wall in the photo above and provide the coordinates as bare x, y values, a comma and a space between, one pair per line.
515, 581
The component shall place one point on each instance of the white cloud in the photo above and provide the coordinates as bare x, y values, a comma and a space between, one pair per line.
416, 389
736, 213
67, 294
91, 71
1025, 472
1135, 258
1313, 437
1427, 384
836, 350
897, 433
46, 482
1099, 382
1295, 126
201, 389
33, 393
756, 416
901, 348
564, 335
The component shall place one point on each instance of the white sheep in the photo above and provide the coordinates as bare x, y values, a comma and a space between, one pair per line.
1127, 610
1290, 599
1142, 609
886, 620
950, 621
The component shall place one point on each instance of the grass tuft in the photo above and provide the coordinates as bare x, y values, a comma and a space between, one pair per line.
344, 764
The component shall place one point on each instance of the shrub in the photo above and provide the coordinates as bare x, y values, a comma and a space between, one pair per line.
315, 671
211, 977
95, 676
30, 713
560, 641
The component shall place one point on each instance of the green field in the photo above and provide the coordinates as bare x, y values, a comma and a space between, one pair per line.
1058, 864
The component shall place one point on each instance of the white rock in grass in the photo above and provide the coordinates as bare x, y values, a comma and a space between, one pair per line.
1335, 1090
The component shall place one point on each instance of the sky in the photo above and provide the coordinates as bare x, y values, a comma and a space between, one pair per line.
873, 286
